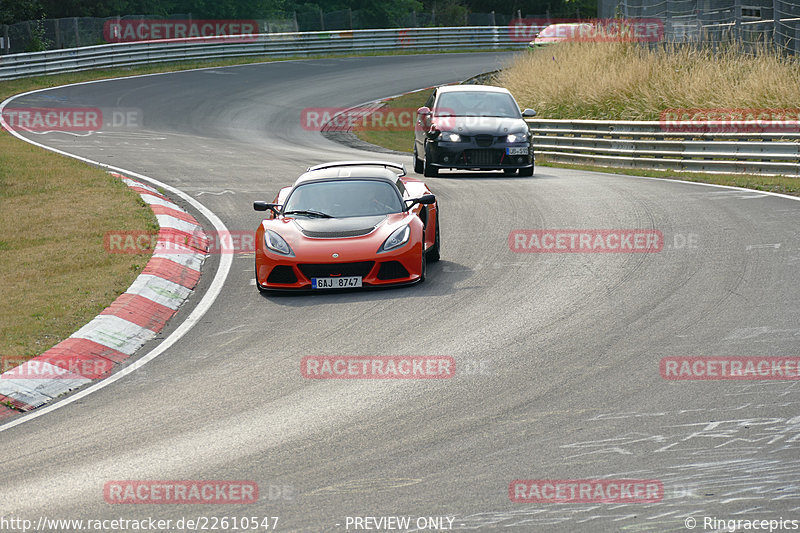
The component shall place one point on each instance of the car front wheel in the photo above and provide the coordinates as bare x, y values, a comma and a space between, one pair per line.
429, 171
419, 165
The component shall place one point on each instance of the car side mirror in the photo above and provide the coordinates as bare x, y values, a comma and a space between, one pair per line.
529, 113
424, 111
264, 206
425, 199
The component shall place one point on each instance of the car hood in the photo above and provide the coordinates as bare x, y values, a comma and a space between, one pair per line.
336, 228
480, 125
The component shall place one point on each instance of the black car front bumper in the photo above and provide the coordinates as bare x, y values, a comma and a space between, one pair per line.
471, 155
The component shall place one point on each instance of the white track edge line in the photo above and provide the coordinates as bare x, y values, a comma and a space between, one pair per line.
205, 303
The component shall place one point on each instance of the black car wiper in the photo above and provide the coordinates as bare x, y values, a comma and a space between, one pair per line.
308, 212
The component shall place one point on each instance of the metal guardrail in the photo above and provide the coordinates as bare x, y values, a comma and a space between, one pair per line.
266, 45
681, 146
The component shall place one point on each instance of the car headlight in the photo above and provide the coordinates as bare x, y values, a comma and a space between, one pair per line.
398, 238
449, 136
517, 137
276, 243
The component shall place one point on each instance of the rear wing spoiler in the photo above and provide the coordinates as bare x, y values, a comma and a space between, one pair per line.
385, 164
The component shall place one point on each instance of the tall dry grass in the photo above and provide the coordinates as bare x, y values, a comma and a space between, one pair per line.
628, 82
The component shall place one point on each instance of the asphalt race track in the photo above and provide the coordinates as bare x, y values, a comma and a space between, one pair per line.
557, 355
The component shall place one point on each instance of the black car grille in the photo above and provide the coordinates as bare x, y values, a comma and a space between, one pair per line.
336, 234
484, 140
483, 157
337, 269
282, 274
392, 270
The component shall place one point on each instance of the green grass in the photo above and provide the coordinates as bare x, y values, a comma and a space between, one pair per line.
56, 272
399, 139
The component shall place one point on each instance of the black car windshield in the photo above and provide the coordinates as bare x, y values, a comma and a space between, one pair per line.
343, 198
476, 104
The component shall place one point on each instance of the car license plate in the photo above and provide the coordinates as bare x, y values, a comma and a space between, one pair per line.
336, 283
523, 150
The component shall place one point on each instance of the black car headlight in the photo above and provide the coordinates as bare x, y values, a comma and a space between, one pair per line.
275, 242
517, 137
398, 238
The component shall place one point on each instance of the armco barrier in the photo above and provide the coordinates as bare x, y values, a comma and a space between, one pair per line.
266, 45
645, 145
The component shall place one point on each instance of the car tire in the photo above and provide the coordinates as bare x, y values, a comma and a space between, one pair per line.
429, 171
432, 255
526, 171
419, 165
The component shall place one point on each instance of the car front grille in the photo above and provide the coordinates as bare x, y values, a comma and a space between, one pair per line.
484, 140
336, 234
483, 157
337, 269
392, 270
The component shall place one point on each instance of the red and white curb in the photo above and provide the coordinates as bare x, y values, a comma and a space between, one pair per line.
117, 332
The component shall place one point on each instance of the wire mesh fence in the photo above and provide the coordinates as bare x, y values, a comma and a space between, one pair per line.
775, 23
52, 34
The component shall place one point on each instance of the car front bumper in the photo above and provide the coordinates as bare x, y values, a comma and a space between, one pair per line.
401, 267
472, 156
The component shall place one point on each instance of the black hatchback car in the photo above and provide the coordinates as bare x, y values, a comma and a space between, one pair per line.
472, 127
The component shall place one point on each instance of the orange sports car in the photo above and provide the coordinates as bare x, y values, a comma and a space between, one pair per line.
347, 224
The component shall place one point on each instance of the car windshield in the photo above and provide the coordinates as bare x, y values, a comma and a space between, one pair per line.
343, 198
476, 104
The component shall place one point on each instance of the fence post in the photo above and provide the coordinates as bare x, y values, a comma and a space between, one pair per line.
350, 17
494, 21
57, 31
6, 42
321, 20
75, 29
797, 40
737, 20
